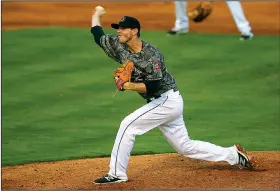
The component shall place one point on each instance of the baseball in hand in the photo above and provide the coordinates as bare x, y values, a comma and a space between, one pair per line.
100, 10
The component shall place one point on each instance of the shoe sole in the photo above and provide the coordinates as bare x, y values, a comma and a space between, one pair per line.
115, 182
177, 34
242, 151
180, 32
244, 39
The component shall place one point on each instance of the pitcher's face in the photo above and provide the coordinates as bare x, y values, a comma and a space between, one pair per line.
126, 34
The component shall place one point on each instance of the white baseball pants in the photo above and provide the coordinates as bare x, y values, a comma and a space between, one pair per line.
235, 8
165, 113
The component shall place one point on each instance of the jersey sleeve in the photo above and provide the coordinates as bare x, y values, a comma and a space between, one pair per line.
109, 44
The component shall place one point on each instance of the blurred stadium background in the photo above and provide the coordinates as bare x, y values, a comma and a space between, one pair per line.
263, 16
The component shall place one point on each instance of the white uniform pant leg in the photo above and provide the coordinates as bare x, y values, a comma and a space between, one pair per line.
176, 134
139, 122
181, 15
241, 22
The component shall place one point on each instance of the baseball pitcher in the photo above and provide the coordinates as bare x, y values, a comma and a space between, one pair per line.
142, 69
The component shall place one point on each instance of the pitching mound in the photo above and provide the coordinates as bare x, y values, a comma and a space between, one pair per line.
163, 171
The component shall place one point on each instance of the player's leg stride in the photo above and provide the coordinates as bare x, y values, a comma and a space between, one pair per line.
243, 163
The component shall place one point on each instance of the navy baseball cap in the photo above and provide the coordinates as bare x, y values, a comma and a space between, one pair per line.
127, 22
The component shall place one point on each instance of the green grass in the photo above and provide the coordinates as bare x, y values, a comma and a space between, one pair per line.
57, 93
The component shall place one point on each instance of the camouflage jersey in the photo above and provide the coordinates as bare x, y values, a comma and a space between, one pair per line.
148, 64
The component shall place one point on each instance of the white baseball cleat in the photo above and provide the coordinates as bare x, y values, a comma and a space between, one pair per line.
243, 159
246, 36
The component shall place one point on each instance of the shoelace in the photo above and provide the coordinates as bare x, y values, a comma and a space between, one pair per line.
109, 177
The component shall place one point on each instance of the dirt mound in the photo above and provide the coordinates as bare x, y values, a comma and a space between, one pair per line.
163, 171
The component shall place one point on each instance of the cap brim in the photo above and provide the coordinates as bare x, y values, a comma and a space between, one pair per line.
115, 26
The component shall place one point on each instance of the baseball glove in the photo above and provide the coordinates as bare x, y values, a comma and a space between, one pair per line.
123, 74
201, 12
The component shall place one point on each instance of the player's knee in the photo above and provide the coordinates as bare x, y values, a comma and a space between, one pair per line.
181, 151
127, 127
184, 147
125, 123
188, 146
130, 127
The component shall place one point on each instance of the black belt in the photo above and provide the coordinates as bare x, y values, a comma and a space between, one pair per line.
156, 97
